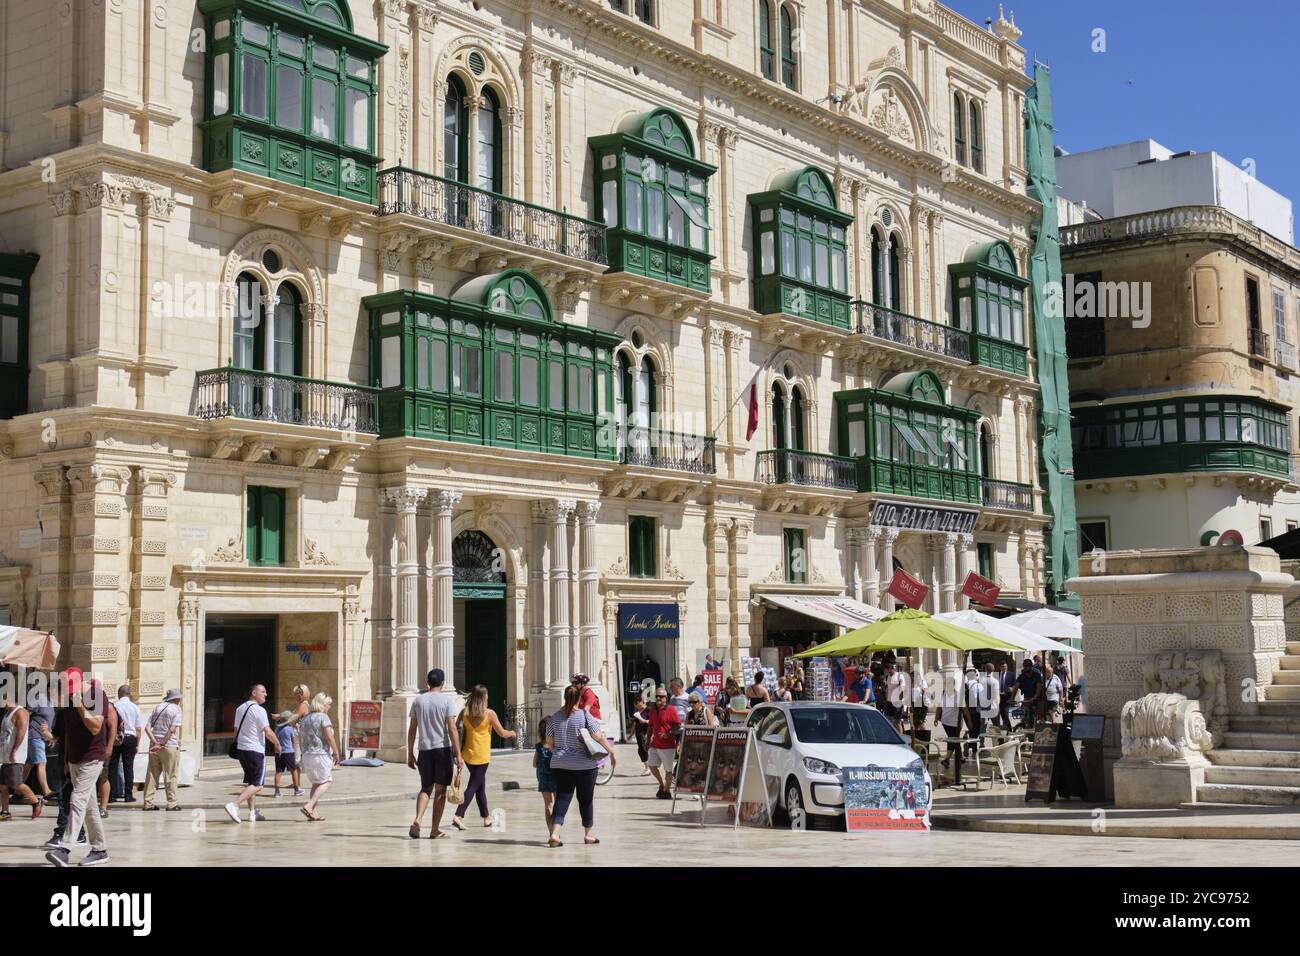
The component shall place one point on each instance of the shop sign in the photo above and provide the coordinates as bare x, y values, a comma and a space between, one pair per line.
647, 621
907, 589
981, 589
712, 685
913, 517
305, 651
363, 724
886, 798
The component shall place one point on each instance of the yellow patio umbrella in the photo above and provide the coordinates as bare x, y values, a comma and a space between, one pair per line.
906, 628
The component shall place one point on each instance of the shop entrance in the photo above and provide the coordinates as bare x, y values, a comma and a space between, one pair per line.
479, 589
238, 653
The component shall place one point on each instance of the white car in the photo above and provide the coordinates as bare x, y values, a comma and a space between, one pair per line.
804, 745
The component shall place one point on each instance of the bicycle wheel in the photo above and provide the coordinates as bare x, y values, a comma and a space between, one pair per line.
605, 772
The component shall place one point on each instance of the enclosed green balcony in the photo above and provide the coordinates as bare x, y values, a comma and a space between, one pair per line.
290, 94
801, 252
989, 302
1180, 435
652, 194
490, 366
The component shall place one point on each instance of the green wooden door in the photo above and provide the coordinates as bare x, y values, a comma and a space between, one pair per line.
485, 649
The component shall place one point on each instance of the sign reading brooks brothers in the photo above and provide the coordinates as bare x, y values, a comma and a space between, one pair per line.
647, 621
912, 517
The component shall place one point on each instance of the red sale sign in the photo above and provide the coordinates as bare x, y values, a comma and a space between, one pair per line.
712, 685
980, 589
907, 589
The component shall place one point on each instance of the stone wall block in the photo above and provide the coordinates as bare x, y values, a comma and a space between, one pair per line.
1143, 606
1194, 606
1108, 638
1232, 605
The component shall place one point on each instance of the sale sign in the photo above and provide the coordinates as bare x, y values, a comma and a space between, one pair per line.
980, 589
907, 589
712, 685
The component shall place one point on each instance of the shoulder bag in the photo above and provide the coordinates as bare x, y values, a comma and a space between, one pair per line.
233, 750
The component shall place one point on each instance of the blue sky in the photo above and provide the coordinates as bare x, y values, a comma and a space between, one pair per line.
1191, 74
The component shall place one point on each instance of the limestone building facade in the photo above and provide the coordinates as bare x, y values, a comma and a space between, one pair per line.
352, 339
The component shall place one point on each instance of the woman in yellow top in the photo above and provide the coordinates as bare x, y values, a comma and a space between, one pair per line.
476, 747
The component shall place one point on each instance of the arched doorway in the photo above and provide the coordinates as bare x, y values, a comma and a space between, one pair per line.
479, 593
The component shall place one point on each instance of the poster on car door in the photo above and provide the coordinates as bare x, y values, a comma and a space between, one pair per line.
693, 764
886, 798
728, 761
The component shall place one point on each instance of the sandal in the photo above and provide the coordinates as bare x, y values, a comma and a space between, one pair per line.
439, 835
305, 812
6, 815
592, 842
553, 843
455, 821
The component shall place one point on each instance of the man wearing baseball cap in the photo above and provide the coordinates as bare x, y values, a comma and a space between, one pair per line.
90, 730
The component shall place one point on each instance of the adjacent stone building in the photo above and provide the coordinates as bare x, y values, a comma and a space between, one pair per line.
344, 340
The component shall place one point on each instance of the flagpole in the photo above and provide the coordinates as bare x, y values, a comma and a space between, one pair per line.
743, 392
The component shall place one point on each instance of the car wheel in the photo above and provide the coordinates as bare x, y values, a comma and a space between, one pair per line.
794, 810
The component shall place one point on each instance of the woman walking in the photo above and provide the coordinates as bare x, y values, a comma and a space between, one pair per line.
641, 731
320, 752
545, 779
699, 715
480, 721
573, 765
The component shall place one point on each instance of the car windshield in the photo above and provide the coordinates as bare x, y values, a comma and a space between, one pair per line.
842, 725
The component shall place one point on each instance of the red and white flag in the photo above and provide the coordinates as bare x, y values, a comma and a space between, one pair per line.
752, 425
907, 589
980, 589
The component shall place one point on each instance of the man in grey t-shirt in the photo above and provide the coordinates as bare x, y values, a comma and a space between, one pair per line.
432, 746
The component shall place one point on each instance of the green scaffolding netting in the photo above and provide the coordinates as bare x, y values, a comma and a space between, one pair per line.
1054, 444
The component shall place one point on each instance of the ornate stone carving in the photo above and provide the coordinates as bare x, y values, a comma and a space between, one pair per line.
671, 571
1163, 727
1196, 675
313, 556
890, 118
619, 568
232, 552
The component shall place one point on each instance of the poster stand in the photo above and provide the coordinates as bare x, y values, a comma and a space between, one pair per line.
365, 725
697, 747
735, 779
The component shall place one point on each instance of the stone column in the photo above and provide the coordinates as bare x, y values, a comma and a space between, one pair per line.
867, 541
538, 600
740, 630
54, 564
382, 602
887, 537
146, 665
588, 595
407, 500
1019, 410
965, 543
100, 576
444, 627
559, 630
192, 658
949, 581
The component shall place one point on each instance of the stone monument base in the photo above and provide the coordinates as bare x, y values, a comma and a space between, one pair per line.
1149, 784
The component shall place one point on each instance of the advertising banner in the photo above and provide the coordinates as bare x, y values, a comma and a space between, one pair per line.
693, 764
981, 589
713, 680
728, 761
363, 724
886, 798
907, 589
755, 808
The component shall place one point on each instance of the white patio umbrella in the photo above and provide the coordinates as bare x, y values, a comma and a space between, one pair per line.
1004, 629
26, 648
1049, 623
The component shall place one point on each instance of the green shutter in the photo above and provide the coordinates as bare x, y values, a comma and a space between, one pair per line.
252, 522
272, 530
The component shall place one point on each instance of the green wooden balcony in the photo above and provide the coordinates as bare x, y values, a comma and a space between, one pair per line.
404, 191
284, 399
919, 481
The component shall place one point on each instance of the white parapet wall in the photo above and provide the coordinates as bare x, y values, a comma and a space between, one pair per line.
1150, 616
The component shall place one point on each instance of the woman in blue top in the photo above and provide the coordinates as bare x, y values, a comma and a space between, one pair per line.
573, 767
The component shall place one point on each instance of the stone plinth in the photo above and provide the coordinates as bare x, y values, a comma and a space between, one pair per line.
1140, 604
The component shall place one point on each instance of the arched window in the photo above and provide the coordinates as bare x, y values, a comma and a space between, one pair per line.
797, 419
986, 457
266, 337
780, 421
489, 143
286, 356
958, 129
455, 121
248, 325
892, 279
788, 63
877, 267
976, 138
766, 52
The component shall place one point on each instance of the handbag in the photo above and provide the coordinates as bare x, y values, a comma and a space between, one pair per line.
456, 792
593, 746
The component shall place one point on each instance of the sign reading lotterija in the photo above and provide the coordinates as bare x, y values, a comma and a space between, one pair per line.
911, 517
644, 621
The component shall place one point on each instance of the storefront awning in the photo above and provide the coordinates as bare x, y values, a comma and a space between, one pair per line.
840, 610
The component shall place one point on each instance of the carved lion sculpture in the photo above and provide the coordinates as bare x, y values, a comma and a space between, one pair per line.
1163, 727
1197, 675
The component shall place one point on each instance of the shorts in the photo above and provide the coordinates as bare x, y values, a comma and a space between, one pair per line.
665, 758
36, 750
890, 711
11, 775
435, 768
254, 764
319, 768
286, 762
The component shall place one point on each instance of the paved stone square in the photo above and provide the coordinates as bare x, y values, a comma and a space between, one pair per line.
366, 822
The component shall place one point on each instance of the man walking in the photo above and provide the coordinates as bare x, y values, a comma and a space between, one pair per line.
164, 732
13, 756
1053, 691
91, 725
664, 724
678, 698
128, 722
1006, 690
433, 747
1030, 683
252, 733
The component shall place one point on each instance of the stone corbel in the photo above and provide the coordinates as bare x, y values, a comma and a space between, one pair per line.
255, 450
307, 457
340, 226
223, 447
255, 207
226, 200
464, 255
342, 458
311, 220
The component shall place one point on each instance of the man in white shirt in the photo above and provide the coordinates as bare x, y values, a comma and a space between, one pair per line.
433, 746
164, 732
1052, 691
252, 727
130, 731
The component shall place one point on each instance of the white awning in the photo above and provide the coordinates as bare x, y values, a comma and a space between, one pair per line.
840, 610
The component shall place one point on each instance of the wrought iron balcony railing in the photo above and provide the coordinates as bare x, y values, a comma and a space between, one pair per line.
1008, 495
286, 399
1259, 342
782, 466
407, 191
1285, 355
895, 326
654, 448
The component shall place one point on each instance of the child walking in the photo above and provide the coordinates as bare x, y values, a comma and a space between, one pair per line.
542, 764
286, 732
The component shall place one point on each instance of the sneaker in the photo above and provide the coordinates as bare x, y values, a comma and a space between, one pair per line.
128, 799
81, 841
103, 814
95, 858
256, 817
232, 811
174, 807
298, 791
277, 792
53, 843
150, 806
58, 857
